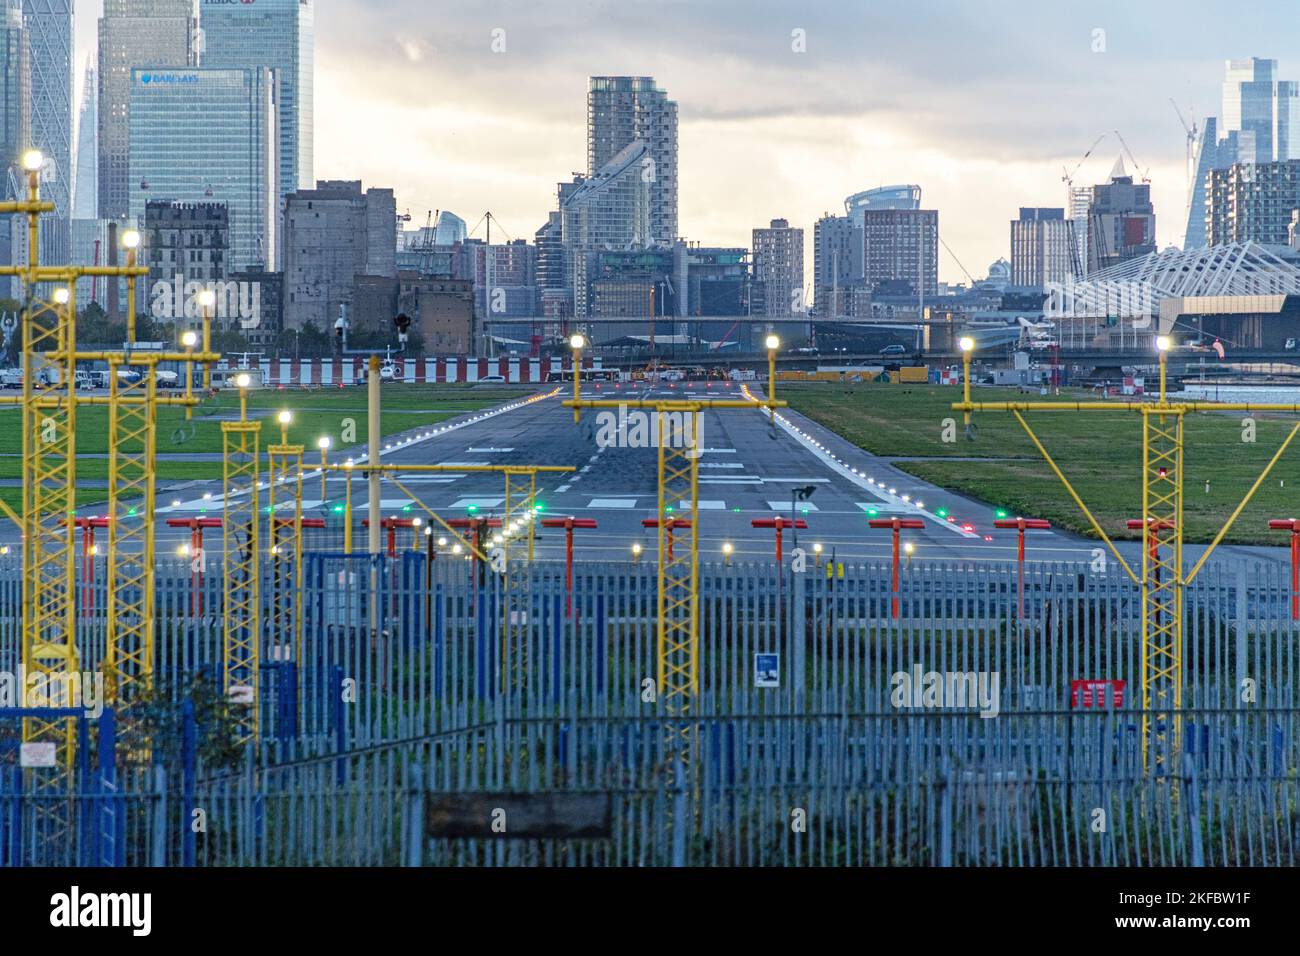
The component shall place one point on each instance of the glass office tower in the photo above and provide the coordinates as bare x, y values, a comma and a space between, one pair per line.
207, 135
279, 34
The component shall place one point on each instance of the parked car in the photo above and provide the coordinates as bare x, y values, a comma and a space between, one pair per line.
493, 378
894, 349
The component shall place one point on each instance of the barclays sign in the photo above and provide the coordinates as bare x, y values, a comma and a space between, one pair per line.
168, 79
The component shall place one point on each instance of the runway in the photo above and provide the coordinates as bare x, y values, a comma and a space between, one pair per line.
748, 468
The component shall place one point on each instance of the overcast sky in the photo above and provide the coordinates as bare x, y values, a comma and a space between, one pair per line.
981, 103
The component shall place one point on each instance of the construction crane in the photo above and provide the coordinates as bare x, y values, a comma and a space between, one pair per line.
1145, 178
1192, 132
1079, 253
1068, 178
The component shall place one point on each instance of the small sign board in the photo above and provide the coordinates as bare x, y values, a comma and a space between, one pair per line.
1094, 693
38, 755
767, 670
240, 694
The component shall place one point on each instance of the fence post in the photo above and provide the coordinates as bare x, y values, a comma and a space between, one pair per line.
159, 855
797, 637
413, 853
111, 852
945, 816
1192, 786
189, 752
1240, 574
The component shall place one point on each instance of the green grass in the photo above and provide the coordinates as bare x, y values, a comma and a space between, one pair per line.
331, 412
1101, 454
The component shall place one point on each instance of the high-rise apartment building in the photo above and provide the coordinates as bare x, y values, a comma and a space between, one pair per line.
1042, 248
1260, 124
332, 235
49, 42
1121, 220
901, 245
132, 33
211, 136
609, 210
624, 109
279, 34
778, 265
837, 262
1252, 201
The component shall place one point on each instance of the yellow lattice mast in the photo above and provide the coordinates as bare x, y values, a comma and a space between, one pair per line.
132, 433
241, 624
517, 533
1162, 578
680, 448
284, 504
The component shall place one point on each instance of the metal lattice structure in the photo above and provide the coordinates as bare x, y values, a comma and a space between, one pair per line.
678, 579
1163, 578
517, 535
1137, 286
241, 624
132, 434
49, 559
285, 513
1162, 583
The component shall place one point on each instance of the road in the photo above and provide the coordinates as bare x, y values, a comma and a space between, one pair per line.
747, 471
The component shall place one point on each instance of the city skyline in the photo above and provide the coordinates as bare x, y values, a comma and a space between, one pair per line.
766, 132
485, 146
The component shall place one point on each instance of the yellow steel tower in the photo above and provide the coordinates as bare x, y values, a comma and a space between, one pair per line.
241, 626
1163, 579
517, 533
680, 448
284, 503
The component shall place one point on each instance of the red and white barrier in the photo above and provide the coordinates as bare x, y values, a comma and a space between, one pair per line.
350, 370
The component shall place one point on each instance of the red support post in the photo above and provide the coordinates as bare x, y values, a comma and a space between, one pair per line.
196, 526
88, 526
673, 525
568, 524
779, 523
1020, 524
1292, 525
896, 524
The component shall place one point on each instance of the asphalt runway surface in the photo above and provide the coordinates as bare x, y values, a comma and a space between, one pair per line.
748, 469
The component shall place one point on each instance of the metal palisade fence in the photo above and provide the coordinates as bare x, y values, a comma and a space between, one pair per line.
992, 721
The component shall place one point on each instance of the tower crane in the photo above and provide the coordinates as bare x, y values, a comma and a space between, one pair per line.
1145, 178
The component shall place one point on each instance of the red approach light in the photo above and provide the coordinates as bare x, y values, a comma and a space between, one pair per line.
988, 537
968, 527
1164, 472
952, 520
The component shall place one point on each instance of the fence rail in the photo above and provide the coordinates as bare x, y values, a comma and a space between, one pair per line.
827, 757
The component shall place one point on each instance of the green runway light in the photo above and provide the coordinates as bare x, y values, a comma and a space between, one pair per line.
472, 508
1000, 513
131, 513
872, 512
338, 509
942, 512
406, 508
539, 507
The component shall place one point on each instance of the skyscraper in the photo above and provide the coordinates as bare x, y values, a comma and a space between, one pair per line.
15, 131
837, 262
1252, 201
1260, 124
610, 210
279, 34
778, 264
901, 245
85, 187
49, 40
1042, 248
622, 109
1121, 220
211, 136
132, 33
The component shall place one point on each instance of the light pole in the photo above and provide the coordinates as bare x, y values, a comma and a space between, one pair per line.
131, 242
967, 345
800, 494
347, 506
323, 443
189, 339
576, 342
207, 299
773, 343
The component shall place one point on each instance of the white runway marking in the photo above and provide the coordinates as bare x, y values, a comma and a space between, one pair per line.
612, 503
779, 506
477, 502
